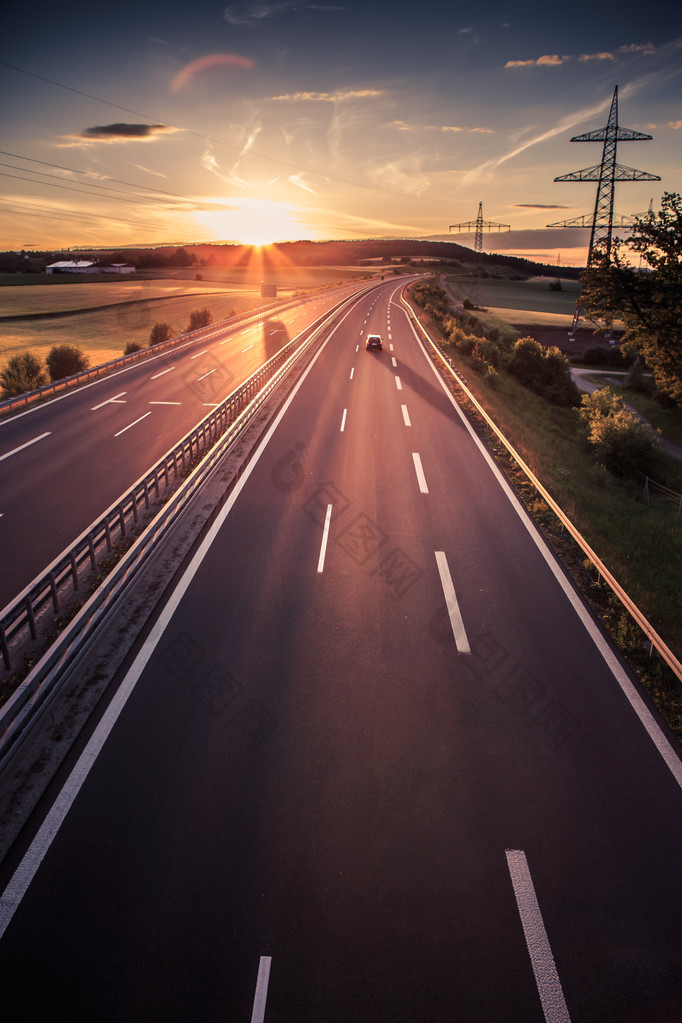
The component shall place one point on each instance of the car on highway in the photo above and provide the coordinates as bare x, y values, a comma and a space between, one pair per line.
374, 343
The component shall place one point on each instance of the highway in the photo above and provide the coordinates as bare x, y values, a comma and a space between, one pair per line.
372, 762
63, 463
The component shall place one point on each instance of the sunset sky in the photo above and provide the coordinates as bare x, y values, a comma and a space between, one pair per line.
255, 121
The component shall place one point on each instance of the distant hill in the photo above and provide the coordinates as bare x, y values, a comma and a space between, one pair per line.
365, 251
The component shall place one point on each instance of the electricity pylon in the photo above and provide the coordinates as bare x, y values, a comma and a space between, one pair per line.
606, 174
478, 226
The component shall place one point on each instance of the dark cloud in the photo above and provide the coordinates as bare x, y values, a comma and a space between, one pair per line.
124, 131
539, 206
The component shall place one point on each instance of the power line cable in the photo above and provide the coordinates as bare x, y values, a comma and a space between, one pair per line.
222, 142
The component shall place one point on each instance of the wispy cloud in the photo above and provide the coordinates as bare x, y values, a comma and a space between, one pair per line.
327, 97
251, 13
297, 180
444, 128
554, 60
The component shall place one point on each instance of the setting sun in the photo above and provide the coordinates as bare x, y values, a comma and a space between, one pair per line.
255, 222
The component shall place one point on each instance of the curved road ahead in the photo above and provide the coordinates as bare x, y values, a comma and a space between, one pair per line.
373, 751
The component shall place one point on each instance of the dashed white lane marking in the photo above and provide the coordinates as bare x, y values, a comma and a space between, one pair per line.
343, 420
248, 348
116, 400
544, 967
357, 348
398, 383
161, 374
390, 348
261, 996
351, 372
406, 415
418, 468
394, 362
205, 352
132, 424
452, 604
22, 446
207, 374
325, 538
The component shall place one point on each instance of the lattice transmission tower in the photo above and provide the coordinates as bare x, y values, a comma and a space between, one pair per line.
606, 173
478, 226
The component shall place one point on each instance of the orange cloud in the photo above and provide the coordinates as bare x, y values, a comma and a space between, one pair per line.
211, 61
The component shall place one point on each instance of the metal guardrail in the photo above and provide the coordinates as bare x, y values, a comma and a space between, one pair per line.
629, 605
202, 334
237, 411
99, 539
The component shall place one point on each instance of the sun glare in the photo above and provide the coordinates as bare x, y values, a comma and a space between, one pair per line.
254, 222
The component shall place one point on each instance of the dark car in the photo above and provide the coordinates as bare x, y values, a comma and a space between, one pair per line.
374, 342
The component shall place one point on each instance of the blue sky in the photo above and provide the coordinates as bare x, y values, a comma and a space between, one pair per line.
257, 121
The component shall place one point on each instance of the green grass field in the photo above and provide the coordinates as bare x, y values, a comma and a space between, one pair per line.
524, 301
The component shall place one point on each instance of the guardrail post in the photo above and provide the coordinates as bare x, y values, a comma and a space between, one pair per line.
107, 533
5, 649
156, 480
53, 591
31, 617
121, 521
91, 549
74, 570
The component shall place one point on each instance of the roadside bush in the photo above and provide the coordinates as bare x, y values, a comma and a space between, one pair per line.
619, 440
159, 333
613, 356
199, 318
65, 360
545, 371
22, 373
131, 347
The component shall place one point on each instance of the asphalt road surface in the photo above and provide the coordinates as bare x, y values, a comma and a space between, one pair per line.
63, 463
374, 762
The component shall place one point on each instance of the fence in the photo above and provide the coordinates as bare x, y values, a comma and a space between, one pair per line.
651, 487
632, 609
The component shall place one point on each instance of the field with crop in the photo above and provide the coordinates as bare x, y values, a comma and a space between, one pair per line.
524, 302
101, 315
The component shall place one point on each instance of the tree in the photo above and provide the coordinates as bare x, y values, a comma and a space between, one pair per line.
200, 318
646, 299
619, 439
159, 333
543, 370
65, 360
22, 373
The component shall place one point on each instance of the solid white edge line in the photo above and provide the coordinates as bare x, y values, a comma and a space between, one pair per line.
261, 996
26, 445
34, 855
132, 424
452, 604
406, 415
325, 537
419, 469
343, 420
544, 967
630, 691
